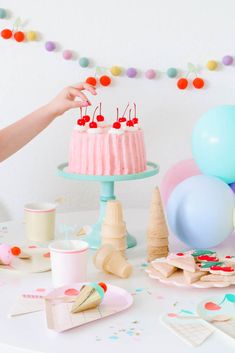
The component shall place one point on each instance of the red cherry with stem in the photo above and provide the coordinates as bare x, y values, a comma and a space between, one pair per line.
135, 119
129, 123
100, 117
81, 122
116, 125
198, 83
123, 119
212, 306
19, 36
182, 83
86, 118
93, 125
91, 81
6, 33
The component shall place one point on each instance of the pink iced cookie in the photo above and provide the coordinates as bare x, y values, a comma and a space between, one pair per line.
5, 254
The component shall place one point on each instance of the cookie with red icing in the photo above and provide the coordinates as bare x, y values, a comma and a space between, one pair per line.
222, 270
207, 258
184, 261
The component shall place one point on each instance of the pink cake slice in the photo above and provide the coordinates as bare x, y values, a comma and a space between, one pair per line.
105, 153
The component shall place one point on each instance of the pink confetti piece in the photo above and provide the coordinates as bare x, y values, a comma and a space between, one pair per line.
71, 291
32, 246
40, 290
172, 315
47, 254
159, 297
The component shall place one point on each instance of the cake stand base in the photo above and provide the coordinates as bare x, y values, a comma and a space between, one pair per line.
107, 193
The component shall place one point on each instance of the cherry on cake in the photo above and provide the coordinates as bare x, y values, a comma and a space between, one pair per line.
100, 149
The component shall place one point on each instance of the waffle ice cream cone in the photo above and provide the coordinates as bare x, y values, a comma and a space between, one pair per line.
89, 297
110, 260
157, 232
113, 228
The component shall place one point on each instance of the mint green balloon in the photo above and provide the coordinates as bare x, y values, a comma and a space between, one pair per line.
213, 143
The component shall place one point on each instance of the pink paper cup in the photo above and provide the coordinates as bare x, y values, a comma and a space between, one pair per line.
68, 261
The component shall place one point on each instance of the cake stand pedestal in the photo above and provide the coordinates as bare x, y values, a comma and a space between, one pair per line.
107, 193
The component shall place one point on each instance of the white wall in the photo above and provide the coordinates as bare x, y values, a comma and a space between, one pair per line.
144, 34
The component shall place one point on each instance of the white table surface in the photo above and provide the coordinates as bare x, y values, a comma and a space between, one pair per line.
28, 333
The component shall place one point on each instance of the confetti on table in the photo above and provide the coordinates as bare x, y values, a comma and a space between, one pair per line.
113, 337
138, 290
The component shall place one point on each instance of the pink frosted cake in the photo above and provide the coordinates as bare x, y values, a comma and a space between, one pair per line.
99, 149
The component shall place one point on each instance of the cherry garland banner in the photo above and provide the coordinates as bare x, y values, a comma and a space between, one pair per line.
184, 78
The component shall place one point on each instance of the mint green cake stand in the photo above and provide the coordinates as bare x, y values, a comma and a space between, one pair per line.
106, 194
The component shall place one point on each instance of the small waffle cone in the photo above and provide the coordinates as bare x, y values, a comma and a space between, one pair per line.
88, 298
118, 243
157, 232
113, 230
112, 261
113, 214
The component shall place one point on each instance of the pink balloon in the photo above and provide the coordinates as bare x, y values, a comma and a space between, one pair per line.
175, 175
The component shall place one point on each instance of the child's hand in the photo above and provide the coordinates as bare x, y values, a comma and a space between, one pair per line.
66, 99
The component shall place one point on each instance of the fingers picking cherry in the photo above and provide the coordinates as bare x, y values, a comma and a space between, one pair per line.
81, 122
19, 36
93, 125
116, 125
182, 83
6, 33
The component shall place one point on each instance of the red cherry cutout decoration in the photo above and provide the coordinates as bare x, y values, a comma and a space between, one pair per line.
122, 119
86, 118
19, 36
81, 122
180, 254
182, 83
105, 80
71, 291
103, 285
198, 83
129, 123
135, 120
93, 125
212, 306
91, 81
6, 33
100, 118
116, 125
15, 251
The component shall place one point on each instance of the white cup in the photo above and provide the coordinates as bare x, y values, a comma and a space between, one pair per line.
40, 221
68, 261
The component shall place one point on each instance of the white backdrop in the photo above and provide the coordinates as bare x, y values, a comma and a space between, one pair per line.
144, 34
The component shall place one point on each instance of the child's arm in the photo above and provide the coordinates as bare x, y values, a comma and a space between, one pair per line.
18, 134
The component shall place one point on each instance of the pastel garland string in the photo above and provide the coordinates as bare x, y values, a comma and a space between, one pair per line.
101, 73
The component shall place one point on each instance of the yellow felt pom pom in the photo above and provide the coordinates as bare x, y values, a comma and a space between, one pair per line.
116, 70
31, 35
211, 65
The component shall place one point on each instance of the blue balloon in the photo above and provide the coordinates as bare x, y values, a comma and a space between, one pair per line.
213, 143
200, 211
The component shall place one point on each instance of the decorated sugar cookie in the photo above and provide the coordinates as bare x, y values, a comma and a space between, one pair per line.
207, 258
184, 261
163, 267
222, 270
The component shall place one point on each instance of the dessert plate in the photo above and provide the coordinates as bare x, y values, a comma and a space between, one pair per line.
39, 261
177, 279
59, 303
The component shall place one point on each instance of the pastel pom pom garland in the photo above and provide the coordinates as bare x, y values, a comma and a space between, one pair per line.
131, 72
67, 54
227, 60
50, 46
150, 74
116, 70
84, 62
3, 13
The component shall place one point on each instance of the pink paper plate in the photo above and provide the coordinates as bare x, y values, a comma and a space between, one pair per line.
58, 306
